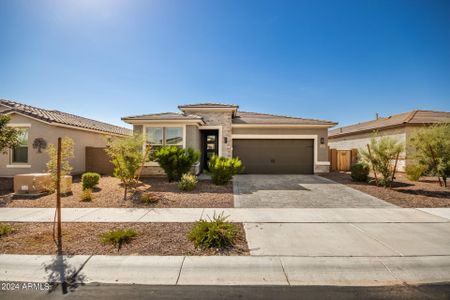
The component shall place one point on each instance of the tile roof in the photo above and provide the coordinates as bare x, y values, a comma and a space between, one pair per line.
208, 105
164, 116
58, 117
243, 117
412, 117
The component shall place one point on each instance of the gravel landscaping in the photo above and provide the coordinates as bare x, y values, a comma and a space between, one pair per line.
404, 193
109, 193
84, 239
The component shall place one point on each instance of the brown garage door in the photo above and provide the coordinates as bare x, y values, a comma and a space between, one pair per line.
275, 156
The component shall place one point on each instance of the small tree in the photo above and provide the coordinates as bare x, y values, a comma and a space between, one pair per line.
431, 149
9, 136
126, 156
67, 145
382, 155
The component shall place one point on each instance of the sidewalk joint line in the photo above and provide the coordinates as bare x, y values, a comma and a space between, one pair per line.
179, 272
148, 211
284, 271
375, 239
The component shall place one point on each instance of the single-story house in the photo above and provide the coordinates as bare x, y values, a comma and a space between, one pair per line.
399, 126
265, 143
41, 127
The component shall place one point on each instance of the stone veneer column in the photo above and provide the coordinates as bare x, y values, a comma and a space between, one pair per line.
220, 119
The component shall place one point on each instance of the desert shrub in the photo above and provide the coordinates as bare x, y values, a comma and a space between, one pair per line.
188, 182
5, 229
383, 152
360, 172
118, 237
415, 171
148, 198
431, 148
213, 233
89, 180
176, 161
86, 195
223, 169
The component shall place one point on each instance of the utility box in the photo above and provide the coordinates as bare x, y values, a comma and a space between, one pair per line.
38, 183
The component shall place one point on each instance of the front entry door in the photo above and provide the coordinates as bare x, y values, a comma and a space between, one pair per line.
210, 146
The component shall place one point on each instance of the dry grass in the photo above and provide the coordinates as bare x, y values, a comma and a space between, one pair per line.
84, 239
109, 193
404, 193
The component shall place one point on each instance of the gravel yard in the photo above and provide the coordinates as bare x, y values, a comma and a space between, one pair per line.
84, 239
404, 193
110, 194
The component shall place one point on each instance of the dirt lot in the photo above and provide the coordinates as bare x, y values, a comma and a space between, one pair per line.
110, 194
404, 193
84, 238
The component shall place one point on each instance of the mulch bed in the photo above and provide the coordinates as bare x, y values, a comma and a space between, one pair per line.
109, 193
405, 193
84, 239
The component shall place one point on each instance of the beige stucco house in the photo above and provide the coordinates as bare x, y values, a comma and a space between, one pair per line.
42, 126
265, 143
399, 126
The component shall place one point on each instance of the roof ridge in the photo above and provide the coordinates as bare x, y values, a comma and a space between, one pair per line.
57, 117
410, 116
285, 116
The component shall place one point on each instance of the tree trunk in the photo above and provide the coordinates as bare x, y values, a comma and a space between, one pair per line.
125, 192
395, 170
373, 167
435, 164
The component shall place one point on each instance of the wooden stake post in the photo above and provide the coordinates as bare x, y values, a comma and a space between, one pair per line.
58, 197
373, 167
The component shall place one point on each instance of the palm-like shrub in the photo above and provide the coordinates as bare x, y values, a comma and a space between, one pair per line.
223, 169
214, 233
118, 237
176, 161
381, 157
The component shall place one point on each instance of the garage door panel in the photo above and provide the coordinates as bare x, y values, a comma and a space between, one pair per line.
272, 156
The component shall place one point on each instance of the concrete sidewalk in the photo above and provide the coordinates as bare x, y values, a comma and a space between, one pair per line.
247, 215
227, 270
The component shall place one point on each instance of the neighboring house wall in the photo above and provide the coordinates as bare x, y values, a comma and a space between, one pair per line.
358, 141
37, 161
322, 149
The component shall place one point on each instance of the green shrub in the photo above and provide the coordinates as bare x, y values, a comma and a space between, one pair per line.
360, 172
5, 229
176, 161
86, 195
148, 198
118, 237
223, 169
414, 172
188, 182
89, 180
215, 233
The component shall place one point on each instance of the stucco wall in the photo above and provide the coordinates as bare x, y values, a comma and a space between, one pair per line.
358, 141
322, 150
193, 137
50, 134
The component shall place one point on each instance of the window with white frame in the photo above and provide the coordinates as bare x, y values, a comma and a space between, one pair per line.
158, 137
19, 154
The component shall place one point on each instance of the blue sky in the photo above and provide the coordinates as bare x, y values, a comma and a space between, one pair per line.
334, 60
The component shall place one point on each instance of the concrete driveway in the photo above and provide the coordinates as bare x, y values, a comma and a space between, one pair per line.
300, 191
